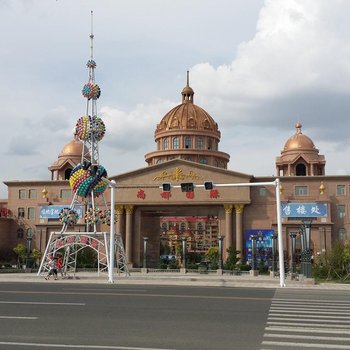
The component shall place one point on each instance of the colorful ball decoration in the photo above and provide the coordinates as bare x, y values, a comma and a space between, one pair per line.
107, 217
93, 216
91, 64
91, 91
88, 126
68, 216
84, 181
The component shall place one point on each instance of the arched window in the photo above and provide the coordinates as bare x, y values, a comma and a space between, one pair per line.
176, 142
188, 142
203, 161
67, 173
342, 234
300, 170
166, 143
200, 142
20, 233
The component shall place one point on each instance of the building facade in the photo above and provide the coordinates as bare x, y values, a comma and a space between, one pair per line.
187, 152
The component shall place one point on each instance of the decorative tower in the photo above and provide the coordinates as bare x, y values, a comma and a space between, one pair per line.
88, 181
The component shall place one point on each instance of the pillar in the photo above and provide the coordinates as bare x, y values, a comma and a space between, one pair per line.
128, 233
119, 210
239, 229
228, 225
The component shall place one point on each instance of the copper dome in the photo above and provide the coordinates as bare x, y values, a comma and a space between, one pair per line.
73, 148
299, 140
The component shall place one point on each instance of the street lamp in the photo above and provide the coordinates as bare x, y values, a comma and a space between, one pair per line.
184, 239
306, 254
220, 238
293, 237
29, 246
254, 267
274, 253
145, 239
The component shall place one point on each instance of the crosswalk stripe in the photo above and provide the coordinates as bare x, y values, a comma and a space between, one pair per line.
282, 318
302, 303
310, 316
305, 345
300, 311
313, 307
319, 325
314, 301
309, 330
309, 337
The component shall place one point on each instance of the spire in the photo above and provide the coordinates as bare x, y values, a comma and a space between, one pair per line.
92, 36
187, 92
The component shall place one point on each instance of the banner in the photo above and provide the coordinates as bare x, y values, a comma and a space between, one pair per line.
303, 210
263, 246
53, 211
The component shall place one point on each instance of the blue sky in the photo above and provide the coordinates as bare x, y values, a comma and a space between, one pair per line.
257, 67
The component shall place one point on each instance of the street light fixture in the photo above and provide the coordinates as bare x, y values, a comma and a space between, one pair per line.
145, 239
274, 254
29, 246
293, 237
306, 252
254, 267
184, 240
220, 238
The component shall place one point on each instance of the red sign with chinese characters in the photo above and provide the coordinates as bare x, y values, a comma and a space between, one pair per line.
141, 194
214, 194
165, 195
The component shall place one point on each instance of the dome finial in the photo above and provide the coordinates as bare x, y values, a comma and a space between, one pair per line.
187, 92
298, 127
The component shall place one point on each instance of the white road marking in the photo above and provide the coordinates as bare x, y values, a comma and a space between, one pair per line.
20, 317
310, 316
309, 337
83, 346
41, 303
306, 320
319, 325
301, 311
308, 330
306, 345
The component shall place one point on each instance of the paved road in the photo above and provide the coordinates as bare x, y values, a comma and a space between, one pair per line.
305, 319
38, 316
86, 316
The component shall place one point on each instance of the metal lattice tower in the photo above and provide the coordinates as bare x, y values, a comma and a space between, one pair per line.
88, 181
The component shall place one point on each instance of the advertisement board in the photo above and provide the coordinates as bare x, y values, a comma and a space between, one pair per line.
53, 211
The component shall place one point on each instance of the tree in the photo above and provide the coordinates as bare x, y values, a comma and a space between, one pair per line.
21, 252
232, 259
35, 255
212, 255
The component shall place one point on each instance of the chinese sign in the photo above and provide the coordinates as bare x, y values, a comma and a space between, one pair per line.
299, 210
53, 211
263, 245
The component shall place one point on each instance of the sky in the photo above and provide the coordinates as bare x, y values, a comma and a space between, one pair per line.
257, 67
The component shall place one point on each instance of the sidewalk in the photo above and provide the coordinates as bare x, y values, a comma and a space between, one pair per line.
188, 279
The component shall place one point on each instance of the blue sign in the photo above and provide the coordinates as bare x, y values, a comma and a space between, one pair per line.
53, 211
263, 245
302, 210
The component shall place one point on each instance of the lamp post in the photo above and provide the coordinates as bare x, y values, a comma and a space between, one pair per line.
293, 237
184, 240
306, 238
274, 254
254, 267
220, 238
29, 246
145, 239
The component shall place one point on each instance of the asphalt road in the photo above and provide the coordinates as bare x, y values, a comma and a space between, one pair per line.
94, 316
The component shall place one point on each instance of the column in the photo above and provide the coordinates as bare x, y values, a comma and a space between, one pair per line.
119, 209
128, 233
239, 229
228, 225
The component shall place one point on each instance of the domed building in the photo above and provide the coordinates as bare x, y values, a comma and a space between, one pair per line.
300, 157
188, 132
187, 152
67, 159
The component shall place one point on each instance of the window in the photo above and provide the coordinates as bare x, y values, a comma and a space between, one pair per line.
65, 193
200, 142
31, 213
21, 212
341, 211
188, 142
20, 233
22, 194
32, 194
300, 190
165, 143
203, 161
209, 143
176, 143
67, 173
342, 234
262, 191
341, 190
